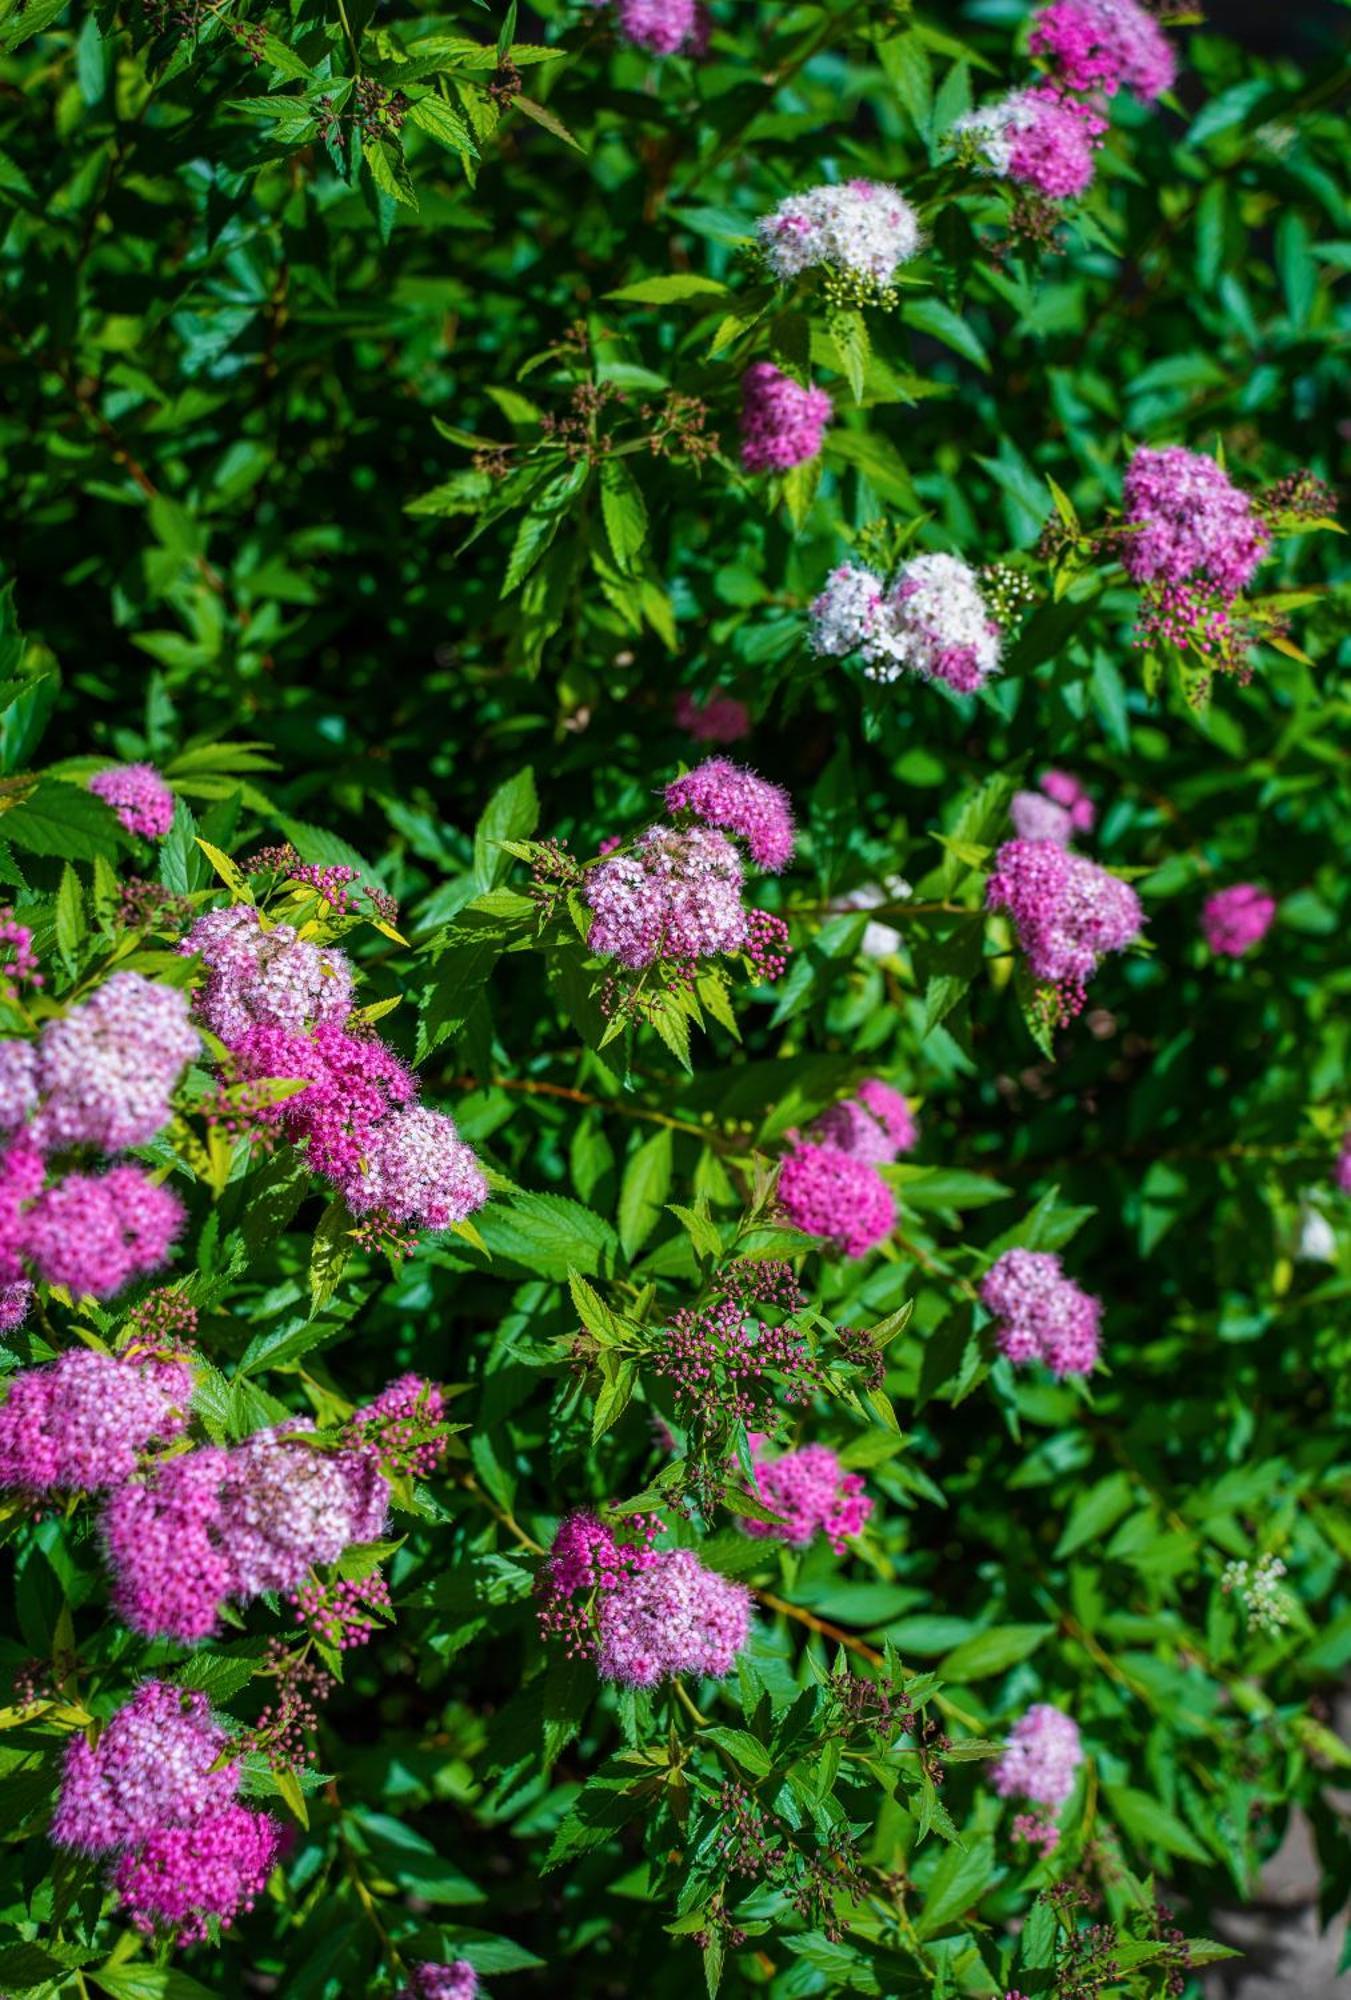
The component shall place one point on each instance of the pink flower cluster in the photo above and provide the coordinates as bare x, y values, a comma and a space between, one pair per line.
1105, 45
1234, 920
280, 1004
1192, 541
146, 1792
782, 423
1043, 1315
675, 895
78, 1423
18, 960
88, 1232
812, 1493
456, 1981
719, 718
1342, 1174
1058, 810
1041, 1756
1067, 911
1040, 138
400, 1426
104, 1074
875, 1124
836, 1195
736, 801
657, 1612
139, 796
663, 27
226, 1524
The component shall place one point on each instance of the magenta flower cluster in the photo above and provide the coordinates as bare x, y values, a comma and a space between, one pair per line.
837, 1196
18, 960
1057, 810
875, 1124
645, 1614
811, 1493
220, 1525
79, 1423
1068, 913
1105, 45
147, 1793
1042, 1314
782, 423
1236, 919
719, 718
1192, 540
280, 1003
456, 1981
139, 796
663, 27
737, 801
1041, 1757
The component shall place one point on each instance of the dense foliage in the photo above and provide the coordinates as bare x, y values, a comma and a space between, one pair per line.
374, 381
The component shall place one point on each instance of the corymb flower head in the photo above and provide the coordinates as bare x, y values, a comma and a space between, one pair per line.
861, 230
139, 796
675, 895
812, 1494
1104, 45
456, 1981
662, 27
719, 718
107, 1071
1041, 1756
835, 1195
875, 1124
265, 975
782, 423
1039, 138
79, 1423
734, 800
1059, 810
1236, 920
151, 1767
1068, 913
1042, 1314
932, 621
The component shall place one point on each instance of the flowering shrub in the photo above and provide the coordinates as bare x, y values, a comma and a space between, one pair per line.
675, 1158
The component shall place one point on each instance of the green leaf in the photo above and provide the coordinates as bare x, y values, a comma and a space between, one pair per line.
669, 290
64, 822
542, 115
993, 1651
624, 511
643, 1192
512, 813
330, 1254
1149, 1823
956, 1886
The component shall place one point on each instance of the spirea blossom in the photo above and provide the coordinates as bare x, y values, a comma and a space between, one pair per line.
139, 796
662, 27
1236, 919
589, 1557
727, 1362
1342, 1173
1192, 541
18, 1085
734, 800
719, 718
18, 960
782, 423
1103, 45
92, 1233
107, 1071
875, 1124
79, 1422
22, 1174
812, 1493
671, 1617
1059, 810
1039, 138
218, 1525
418, 1171
932, 621
396, 1425
180, 1877
261, 976
150, 1768
1067, 911
1041, 1756
1066, 791
834, 1195
354, 1083
675, 895
456, 1981
1042, 1314
15, 1299
864, 227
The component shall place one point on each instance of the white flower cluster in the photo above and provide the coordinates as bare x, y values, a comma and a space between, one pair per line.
866, 227
932, 621
1258, 1584
991, 129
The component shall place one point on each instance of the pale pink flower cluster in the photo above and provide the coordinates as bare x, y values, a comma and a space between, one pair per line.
782, 423
1193, 542
931, 621
1068, 913
1236, 919
265, 975
812, 1494
1041, 1757
875, 1124
220, 1525
835, 1195
1105, 45
280, 1004
737, 801
663, 27
675, 895
456, 1981
147, 1793
657, 1612
719, 718
864, 227
1039, 137
1042, 1314
104, 1074
79, 1423
1058, 810
139, 796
